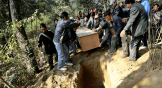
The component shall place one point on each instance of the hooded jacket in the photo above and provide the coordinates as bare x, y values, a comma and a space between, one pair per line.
146, 5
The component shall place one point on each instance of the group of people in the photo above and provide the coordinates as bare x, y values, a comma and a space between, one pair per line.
113, 27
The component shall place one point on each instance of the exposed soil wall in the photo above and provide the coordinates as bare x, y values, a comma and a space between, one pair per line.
99, 69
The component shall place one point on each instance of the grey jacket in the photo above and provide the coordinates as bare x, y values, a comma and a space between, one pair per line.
61, 28
138, 20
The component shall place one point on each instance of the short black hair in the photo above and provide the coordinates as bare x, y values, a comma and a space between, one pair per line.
107, 13
91, 9
129, 1
64, 14
80, 12
55, 20
100, 10
156, 5
87, 16
42, 25
92, 14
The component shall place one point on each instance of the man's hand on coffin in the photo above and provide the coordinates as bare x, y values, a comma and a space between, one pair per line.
95, 30
115, 36
124, 20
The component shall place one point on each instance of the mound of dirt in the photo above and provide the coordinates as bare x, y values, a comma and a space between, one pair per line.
99, 69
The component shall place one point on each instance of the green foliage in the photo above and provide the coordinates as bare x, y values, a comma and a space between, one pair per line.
30, 15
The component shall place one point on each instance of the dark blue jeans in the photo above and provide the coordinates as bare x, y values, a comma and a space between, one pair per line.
144, 39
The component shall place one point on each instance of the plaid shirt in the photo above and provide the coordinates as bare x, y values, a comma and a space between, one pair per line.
156, 18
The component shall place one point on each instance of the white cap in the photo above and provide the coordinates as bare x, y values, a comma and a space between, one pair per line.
96, 16
71, 18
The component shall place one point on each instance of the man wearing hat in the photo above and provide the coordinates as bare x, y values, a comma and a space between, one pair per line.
99, 22
139, 23
116, 9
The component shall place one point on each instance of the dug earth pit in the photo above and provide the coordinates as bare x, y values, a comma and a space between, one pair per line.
99, 69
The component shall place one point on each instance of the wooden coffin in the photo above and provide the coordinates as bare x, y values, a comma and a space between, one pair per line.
88, 39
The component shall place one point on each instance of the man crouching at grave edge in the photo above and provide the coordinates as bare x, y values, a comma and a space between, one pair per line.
112, 28
60, 39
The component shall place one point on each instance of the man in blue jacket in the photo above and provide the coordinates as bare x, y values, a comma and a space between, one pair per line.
112, 34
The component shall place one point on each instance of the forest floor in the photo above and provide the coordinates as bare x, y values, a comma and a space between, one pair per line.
99, 69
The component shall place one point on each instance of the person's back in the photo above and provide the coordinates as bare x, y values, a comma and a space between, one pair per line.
59, 29
140, 24
146, 5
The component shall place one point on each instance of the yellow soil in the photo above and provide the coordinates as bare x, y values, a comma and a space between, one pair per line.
99, 69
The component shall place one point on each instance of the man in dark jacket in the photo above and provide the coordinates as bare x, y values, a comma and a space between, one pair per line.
139, 23
112, 34
115, 33
72, 37
60, 40
116, 9
46, 37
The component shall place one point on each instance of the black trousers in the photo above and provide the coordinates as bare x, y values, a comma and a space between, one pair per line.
50, 59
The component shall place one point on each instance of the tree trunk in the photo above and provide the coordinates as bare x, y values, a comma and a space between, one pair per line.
9, 10
23, 42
